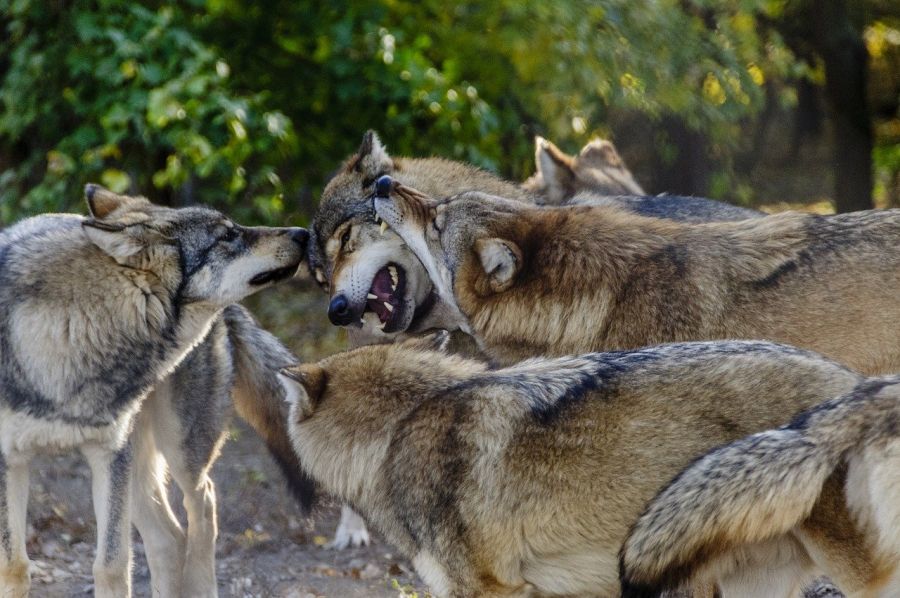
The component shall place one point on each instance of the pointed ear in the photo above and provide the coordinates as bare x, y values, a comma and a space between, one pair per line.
103, 202
303, 385
116, 240
555, 167
599, 153
372, 158
438, 341
501, 260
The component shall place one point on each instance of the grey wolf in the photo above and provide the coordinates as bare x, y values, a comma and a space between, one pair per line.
767, 495
96, 312
527, 280
599, 176
178, 433
524, 481
597, 168
376, 283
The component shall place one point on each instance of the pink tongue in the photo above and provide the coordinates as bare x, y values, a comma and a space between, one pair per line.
381, 288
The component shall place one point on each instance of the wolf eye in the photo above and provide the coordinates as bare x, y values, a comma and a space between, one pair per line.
345, 238
230, 235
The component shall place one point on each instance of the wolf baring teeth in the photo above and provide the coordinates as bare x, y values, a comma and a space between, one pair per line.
97, 311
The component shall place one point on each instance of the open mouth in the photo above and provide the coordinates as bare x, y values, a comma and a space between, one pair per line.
274, 275
386, 296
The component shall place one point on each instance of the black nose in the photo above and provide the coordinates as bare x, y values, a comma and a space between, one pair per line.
300, 236
383, 186
339, 311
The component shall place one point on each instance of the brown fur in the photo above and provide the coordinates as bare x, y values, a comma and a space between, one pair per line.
524, 481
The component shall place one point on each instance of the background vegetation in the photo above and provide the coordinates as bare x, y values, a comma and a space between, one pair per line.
251, 105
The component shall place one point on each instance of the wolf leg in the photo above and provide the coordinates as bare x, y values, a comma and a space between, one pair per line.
351, 531
164, 540
15, 579
200, 559
111, 480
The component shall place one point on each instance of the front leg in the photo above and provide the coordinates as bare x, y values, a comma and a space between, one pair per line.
111, 481
351, 531
15, 579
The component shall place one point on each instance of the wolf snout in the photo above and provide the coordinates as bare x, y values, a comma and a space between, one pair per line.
339, 311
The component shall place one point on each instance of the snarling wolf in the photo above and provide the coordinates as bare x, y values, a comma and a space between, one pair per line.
531, 281
598, 176
524, 481
97, 312
766, 494
376, 283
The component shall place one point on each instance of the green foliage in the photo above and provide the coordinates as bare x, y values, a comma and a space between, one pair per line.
129, 96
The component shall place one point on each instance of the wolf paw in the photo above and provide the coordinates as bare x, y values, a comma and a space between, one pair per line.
351, 531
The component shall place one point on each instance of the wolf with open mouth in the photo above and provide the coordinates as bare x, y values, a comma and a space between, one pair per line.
375, 281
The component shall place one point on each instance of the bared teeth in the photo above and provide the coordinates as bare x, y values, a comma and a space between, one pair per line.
388, 307
371, 296
394, 277
384, 226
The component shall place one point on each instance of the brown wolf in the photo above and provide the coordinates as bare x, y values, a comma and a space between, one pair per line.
524, 481
597, 168
553, 281
775, 487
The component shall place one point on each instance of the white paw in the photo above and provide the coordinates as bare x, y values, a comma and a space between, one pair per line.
351, 531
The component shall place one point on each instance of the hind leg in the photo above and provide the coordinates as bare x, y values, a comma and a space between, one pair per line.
110, 482
164, 540
15, 579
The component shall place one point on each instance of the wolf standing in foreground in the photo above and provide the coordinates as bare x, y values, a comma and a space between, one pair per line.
768, 487
554, 281
524, 481
96, 312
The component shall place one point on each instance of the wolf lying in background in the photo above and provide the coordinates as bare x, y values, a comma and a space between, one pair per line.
524, 481
768, 489
96, 312
597, 168
554, 281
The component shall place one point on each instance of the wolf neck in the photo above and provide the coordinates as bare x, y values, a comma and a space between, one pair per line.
576, 263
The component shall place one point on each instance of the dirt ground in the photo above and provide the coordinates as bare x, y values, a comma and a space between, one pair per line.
266, 547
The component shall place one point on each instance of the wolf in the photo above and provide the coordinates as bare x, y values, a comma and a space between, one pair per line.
530, 281
597, 168
762, 494
524, 481
376, 283
598, 176
97, 312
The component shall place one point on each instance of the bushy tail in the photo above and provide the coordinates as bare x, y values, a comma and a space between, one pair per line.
756, 488
259, 396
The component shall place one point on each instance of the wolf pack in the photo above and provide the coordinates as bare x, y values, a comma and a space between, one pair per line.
564, 387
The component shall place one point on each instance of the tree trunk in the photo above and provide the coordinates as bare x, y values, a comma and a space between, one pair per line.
846, 64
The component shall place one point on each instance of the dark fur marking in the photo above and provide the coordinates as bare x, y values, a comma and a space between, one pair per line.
119, 477
5, 539
776, 276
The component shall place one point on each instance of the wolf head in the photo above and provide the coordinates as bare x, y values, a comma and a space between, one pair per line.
198, 253
598, 168
375, 281
470, 233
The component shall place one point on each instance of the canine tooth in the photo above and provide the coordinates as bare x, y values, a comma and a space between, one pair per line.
394, 278
384, 226
371, 296
377, 219
388, 306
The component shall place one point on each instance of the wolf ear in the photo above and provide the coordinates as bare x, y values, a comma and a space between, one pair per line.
438, 341
501, 260
116, 240
304, 385
555, 167
103, 202
599, 153
372, 158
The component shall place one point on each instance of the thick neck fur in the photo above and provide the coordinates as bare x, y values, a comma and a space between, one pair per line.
598, 278
368, 391
85, 335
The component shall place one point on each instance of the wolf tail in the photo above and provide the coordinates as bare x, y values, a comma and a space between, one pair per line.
755, 488
259, 396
